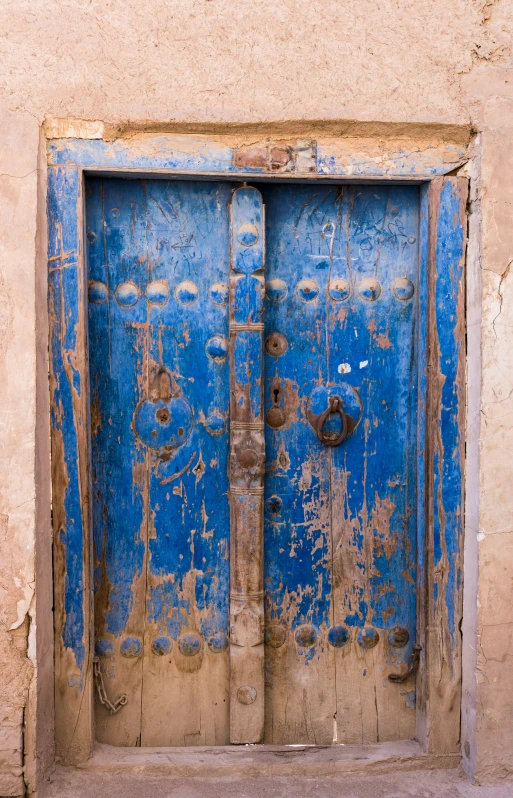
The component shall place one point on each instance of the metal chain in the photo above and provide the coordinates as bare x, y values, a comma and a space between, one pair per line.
102, 693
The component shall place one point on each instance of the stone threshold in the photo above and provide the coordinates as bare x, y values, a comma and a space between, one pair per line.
308, 761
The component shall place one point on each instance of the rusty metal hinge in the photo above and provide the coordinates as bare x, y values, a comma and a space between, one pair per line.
102, 694
413, 662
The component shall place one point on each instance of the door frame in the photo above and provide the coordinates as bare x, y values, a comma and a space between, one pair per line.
442, 363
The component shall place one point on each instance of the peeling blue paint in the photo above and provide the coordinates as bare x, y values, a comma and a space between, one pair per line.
160, 519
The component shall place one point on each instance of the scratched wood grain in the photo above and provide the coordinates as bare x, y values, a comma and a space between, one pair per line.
444, 457
70, 466
340, 551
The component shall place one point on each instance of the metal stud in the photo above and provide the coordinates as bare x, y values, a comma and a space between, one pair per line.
305, 636
98, 293
369, 289
131, 647
219, 294
368, 637
104, 648
276, 417
398, 637
276, 344
215, 424
186, 293
247, 235
161, 645
276, 290
189, 645
217, 348
339, 289
338, 636
247, 458
218, 643
403, 289
246, 694
127, 294
307, 290
157, 292
275, 635
273, 505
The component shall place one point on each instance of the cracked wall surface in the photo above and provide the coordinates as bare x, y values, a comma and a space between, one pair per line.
212, 64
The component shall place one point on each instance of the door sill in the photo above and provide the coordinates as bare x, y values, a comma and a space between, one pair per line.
268, 760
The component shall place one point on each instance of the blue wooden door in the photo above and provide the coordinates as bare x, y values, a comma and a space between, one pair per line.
159, 387
340, 520
339, 378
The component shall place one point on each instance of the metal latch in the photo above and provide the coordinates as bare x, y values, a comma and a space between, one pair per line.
413, 662
102, 694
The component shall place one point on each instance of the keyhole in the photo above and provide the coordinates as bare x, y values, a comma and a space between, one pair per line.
276, 395
163, 415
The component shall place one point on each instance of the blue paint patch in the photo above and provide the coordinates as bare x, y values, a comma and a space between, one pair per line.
65, 288
366, 352
448, 467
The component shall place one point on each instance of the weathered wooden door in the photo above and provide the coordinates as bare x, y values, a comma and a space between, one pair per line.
296, 406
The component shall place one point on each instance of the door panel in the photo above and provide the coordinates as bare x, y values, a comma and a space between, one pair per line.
169, 344
161, 512
340, 531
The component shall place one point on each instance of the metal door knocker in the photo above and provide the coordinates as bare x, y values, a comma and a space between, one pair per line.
326, 401
413, 663
331, 438
163, 421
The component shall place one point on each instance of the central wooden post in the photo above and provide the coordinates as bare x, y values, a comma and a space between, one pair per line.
247, 460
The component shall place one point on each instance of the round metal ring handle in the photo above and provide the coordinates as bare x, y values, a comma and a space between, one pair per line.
334, 406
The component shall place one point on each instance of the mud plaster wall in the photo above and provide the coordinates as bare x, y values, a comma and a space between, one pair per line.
206, 64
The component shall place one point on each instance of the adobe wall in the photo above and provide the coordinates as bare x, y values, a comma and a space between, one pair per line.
210, 65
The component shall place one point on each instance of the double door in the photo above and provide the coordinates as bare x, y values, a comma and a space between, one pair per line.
253, 402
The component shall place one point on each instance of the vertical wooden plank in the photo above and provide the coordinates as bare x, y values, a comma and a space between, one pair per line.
300, 673
118, 358
373, 344
70, 472
422, 504
340, 546
445, 452
247, 458
185, 698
